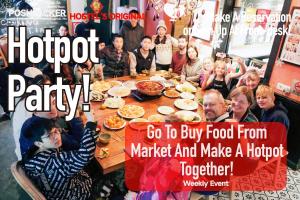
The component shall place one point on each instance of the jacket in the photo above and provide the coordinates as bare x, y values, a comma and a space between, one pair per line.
276, 114
132, 35
59, 174
114, 66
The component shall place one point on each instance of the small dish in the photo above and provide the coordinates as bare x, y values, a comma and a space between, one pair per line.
104, 138
165, 110
187, 95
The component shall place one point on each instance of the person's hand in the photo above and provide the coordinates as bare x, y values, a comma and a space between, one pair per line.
101, 46
240, 61
168, 36
100, 70
154, 37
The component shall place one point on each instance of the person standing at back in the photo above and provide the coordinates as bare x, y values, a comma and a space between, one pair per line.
132, 32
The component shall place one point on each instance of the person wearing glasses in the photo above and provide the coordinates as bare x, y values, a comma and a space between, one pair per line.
56, 172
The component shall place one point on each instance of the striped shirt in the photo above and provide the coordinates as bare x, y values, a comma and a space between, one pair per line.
59, 175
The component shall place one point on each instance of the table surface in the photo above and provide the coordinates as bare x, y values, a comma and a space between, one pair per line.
116, 158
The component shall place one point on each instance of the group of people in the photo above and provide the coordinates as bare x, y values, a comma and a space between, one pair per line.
55, 153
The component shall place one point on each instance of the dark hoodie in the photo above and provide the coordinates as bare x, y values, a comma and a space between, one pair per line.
276, 114
132, 36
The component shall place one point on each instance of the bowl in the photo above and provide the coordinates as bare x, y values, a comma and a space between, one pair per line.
150, 88
104, 138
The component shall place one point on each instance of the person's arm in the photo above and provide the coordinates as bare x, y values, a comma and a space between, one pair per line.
197, 75
71, 162
132, 64
207, 81
153, 42
241, 72
241, 81
71, 139
174, 41
99, 71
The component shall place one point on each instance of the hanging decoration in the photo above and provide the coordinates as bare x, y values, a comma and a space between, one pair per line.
157, 5
96, 6
175, 9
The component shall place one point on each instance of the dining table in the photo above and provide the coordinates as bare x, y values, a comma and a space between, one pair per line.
116, 145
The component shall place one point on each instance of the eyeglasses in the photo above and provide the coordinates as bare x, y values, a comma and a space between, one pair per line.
52, 133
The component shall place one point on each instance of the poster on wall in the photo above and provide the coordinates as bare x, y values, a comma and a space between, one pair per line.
291, 48
35, 14
203, 20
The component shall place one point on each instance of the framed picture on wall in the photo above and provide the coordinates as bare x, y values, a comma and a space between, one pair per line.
291, 49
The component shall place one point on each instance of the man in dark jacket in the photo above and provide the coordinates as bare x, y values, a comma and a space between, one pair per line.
132, 32
115, 59
271, 111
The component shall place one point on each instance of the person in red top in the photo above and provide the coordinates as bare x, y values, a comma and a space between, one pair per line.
179, 57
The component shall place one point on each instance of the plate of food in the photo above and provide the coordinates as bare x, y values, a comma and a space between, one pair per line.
119, 91
151, 88
130, 85
114, 122
186, 87
100, 86
97, 96
187, 95
165, 110
188, 116
157, 78
186, 104
115, 83
171, 93
114, 102
131, 111
139, 123
169, 84
156, 118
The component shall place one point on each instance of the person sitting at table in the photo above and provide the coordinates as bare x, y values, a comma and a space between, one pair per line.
220, 80
95, 70
163, 45
132, 32
207, 69
179, 58
271, 111
115, 58
57, 173
142, 58
67, 74
192, 69
214, 106
251, 79
241, 101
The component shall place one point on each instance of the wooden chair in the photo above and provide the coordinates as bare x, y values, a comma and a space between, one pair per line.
25, 182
